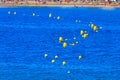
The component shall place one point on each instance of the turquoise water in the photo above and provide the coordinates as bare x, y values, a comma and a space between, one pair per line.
24, 39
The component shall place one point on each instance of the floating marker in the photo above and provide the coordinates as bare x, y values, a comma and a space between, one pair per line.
68, 72
14, 13
76, 42
53, 61
72, 44
33, 14
74, 38
63, 63
60, 39
8, 12
50, 15
95, 28
85, 35
79, 57
46, 55
81, 32
56, 56
92, 25
64, 44
58, 17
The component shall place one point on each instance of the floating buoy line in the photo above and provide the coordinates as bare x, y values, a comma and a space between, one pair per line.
83, 33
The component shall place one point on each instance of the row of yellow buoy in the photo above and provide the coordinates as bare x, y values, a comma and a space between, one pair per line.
33, 14
94, 27
56, 57
84, 34
61, 40
13, 13
65, 44
46, 55
50, 16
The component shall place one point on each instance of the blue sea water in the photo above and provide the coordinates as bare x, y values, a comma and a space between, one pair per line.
24, 39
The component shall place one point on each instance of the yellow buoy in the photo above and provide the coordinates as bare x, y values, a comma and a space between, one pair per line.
58, 17
76, 42
64, 44
85, 35
50, 15
45, 55
79, 57
92, 25
63, 63
56, 56
81, 32
8, 12
33, 14
95, 28
14, 13
53, 61
60, 39
72, 44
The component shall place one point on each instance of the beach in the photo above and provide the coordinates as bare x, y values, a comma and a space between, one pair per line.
61, 4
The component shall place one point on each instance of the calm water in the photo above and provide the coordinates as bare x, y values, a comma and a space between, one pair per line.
24, 39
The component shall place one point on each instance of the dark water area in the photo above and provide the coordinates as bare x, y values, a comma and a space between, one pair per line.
24, 39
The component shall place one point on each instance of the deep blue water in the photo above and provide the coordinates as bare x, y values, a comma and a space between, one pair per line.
24, 39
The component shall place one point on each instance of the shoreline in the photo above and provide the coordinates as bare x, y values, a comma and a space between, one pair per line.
93, 5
